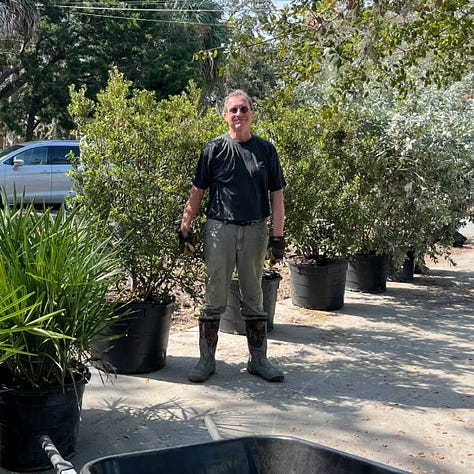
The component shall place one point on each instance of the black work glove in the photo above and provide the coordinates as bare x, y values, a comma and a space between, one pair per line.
276, 249
186, 244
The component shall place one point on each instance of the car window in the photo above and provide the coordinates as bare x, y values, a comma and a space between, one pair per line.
59, 155
34, 156
8, 150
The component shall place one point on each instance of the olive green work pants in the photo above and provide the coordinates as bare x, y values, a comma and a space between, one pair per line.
229, 247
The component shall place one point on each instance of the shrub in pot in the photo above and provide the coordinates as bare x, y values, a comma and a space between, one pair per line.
429, 143
415, 174
406, 168
412, 163
138, 157
364, 166
403, 170
55, 271
318, 203
336, 209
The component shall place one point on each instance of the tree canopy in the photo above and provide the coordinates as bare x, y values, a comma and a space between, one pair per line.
79, 44
339, 46
398, 45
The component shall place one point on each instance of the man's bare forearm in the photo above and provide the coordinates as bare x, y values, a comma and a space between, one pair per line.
191, 209
278, 212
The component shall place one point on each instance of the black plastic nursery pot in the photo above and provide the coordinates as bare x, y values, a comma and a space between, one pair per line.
246, 455
141, 339
367, 272
319, 287
406, 271
231, 321
27, 414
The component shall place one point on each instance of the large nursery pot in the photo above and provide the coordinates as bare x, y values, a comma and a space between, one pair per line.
141, 338
317, 286
367, 272
406, 270
28, 413
231, 321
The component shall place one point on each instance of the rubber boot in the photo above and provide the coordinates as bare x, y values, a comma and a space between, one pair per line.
258, 363
208, 335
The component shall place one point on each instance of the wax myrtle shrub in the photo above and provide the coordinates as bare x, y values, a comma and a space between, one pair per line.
138, 156
314, 145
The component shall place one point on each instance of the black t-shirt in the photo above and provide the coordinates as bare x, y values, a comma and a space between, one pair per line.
239, 176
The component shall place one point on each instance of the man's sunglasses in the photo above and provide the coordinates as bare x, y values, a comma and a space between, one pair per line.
244, 109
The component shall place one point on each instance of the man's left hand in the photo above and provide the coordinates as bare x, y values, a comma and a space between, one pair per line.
276, 249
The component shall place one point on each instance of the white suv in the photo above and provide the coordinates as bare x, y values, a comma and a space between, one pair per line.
38, 170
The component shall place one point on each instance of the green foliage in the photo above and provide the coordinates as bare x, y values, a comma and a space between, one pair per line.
13, 306
245, 57
55, 273
401, 45
376, 175
429, 146
318, 200
74, 45
138, 157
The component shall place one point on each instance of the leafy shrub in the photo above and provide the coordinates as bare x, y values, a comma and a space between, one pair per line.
138, 158
375, 175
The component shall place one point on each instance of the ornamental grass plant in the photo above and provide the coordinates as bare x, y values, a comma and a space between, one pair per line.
13, 306
55, 272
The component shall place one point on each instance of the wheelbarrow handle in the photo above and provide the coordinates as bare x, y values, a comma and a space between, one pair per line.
212, 428
61, 466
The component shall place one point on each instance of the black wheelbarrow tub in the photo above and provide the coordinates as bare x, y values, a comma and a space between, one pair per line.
245, 455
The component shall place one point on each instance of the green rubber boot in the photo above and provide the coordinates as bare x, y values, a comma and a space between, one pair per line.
258, 363
208, 335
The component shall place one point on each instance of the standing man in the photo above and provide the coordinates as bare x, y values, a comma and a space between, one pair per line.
243, 174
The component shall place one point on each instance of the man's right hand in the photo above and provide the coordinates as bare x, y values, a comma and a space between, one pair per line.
186, 244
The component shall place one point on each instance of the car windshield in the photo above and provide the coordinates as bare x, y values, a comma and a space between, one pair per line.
10, 149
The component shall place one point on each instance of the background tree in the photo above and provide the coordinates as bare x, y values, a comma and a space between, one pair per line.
19, 19
402, 45
80, 44
241, 66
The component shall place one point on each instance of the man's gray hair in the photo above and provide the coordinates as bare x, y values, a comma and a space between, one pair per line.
235, 93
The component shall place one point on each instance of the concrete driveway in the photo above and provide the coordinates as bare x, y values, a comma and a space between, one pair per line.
389, 377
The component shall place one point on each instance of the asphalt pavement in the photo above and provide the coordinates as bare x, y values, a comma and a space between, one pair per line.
389, 377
